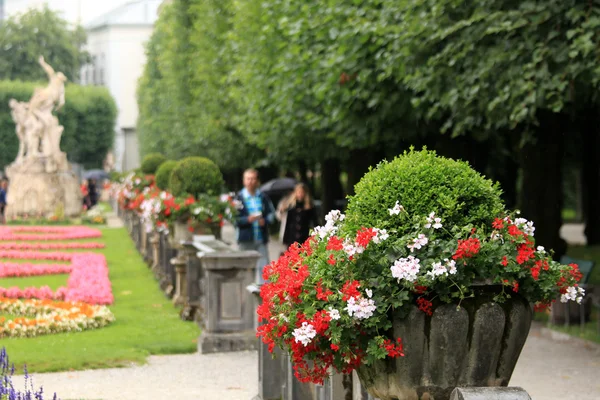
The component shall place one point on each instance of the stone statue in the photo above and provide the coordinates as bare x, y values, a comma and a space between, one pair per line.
44, 99
18, 111
41, 177
37, 128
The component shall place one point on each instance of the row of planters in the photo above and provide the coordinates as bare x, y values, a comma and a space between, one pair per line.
424, 287
174, 211
167, 202
426, 284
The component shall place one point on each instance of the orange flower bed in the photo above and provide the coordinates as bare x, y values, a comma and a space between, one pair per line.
38, 317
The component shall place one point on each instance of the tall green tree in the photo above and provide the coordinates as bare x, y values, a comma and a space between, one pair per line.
24, 37
183, 94
489, 67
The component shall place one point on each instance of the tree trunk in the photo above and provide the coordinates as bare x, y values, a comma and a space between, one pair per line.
331, 187
590, 176
358, 165
541, 191
508, 183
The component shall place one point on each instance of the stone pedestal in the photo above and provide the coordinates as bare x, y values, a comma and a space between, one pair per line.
225, 308
180, 297
167, 275
143, 239
149, 255
155, 246
37, 190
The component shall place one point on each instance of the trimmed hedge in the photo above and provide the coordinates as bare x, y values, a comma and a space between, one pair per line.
423, 182
89, 116
163, 174
151, 162
196, 175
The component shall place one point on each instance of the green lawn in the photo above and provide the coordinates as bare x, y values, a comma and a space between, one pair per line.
146, 321
54, 281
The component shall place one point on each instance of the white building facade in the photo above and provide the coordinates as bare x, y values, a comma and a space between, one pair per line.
116, 42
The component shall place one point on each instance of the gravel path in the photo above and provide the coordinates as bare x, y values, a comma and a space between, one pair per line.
226, 376
551, 369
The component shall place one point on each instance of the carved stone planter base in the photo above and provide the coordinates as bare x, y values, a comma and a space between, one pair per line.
476, 345
226, 342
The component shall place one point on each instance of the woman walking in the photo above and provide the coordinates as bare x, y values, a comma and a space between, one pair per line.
297, 215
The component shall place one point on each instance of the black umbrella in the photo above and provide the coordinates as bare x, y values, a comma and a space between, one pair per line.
278, 185
97, 174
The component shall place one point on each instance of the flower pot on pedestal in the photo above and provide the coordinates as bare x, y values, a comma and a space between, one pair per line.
475, 344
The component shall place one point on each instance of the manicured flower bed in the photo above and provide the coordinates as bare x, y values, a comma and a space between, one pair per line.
88, 282
39, 317
8, 270
43, 233
37, 255
50, 246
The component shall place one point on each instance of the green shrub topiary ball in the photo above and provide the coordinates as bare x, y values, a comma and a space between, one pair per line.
151, 162
196, 175
423, 182
163, 174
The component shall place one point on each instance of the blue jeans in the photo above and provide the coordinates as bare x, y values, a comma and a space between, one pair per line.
263, 260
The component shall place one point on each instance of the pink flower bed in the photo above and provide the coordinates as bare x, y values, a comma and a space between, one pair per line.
19, 270
37, 255
44, 233
88, 282
50, 246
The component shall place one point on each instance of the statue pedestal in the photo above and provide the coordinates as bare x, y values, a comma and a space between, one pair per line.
40, 187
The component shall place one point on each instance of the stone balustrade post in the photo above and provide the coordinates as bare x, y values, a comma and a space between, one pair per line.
179, 263
149, 255
156, 248
167, 271
143, 239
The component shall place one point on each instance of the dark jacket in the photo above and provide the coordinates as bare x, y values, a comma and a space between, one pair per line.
245, 233
298, 223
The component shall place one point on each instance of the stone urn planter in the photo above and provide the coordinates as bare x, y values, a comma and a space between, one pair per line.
179, 231
477, 344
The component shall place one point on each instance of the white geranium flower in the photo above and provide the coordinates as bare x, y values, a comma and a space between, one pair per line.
304, 334
334, 314
360, 308
397, 209
406, 268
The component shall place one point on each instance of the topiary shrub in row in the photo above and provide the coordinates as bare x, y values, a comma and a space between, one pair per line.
195, 176
151, 162
423, 182
190, 176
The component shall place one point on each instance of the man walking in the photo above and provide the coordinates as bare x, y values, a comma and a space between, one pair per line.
256, 213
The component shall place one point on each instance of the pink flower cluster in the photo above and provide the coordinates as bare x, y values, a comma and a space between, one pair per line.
88, 282
44, 233
50, 246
